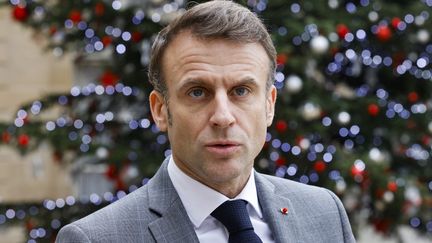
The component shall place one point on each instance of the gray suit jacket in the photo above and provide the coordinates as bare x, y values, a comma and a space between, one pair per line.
154, 213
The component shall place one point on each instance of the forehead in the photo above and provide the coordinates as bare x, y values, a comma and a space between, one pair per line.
186, 54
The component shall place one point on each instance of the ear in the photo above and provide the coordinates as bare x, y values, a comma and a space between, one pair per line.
159, 110
270, 104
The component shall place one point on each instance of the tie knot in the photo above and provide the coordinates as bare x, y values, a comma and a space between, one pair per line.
233, 215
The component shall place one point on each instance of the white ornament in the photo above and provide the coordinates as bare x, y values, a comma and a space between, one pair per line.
423, 36
310, 111
58, 37
373, 16
333, 4
379, 205
293, 84
102, 153
263, 163
388, 196
125, 116
319, 44
430, 127
412, 194
305, 143
39, 14
344, 117
341, 186
129, 173
376, 155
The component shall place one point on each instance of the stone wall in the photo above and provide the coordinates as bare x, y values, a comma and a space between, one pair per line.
27, 72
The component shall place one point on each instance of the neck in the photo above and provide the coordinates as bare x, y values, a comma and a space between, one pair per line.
230, 189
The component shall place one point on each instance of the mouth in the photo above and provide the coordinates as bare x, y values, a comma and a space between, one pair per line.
222, 148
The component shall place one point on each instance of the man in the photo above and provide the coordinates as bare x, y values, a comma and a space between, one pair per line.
212, 71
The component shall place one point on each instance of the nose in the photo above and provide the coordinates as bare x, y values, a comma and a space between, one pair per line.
222, 115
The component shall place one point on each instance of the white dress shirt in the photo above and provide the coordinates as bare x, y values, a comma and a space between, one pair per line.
200, 201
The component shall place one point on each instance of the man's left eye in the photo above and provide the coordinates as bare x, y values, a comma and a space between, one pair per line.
241, 91
196, 93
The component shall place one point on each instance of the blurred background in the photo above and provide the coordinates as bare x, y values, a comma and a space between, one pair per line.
354, 110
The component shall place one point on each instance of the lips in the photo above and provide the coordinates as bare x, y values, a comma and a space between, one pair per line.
222, 148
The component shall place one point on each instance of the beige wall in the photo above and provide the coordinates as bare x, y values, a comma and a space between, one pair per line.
27, 72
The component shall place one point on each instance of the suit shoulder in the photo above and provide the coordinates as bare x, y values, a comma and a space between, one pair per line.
114, 219
299, 190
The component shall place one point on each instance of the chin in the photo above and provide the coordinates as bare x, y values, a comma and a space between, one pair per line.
226, 172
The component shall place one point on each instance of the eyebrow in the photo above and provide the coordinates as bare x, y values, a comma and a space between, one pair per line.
199, 82
248, 80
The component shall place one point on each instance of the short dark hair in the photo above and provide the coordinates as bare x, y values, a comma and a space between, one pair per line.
212, 20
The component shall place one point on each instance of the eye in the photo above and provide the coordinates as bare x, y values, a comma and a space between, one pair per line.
196, 93
241, 91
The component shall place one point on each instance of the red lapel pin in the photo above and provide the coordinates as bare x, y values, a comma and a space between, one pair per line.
284, 210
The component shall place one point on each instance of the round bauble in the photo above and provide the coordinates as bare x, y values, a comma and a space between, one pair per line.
344, 117
293, 84
319, 44
384, 33
342, 30
373, 110
23, 140
20, 13
376, 155
102, 153
388, 196
423, 36
310, 111
281, 126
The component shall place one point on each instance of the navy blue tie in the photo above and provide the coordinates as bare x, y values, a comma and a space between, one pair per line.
234, 216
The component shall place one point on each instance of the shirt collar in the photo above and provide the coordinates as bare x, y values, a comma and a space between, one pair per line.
200, 200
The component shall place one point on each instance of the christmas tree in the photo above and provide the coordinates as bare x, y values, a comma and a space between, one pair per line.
354, 109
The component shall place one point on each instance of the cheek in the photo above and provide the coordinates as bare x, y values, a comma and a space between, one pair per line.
186, 126
255, 123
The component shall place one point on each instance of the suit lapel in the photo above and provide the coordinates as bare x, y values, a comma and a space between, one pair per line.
283, 226
174, 224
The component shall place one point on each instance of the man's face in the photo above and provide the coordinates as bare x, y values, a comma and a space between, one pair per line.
218, 105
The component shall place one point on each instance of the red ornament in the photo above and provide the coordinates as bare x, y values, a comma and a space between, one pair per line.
281, 126
281, 59
284, 210
29, 225
111, 172
136, 36
280, 161
75, 16
320, 166
52, 30
392, 186
356, 171
382, 225
379, 193
109, 78
383, 33
20, 13
411, 124
99, 9
342, 30
23, 140
57, 156
106, 40
334, 50
119, 184
298, 139
426, 140
373, 110
413, 97
6, 137
395, 22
